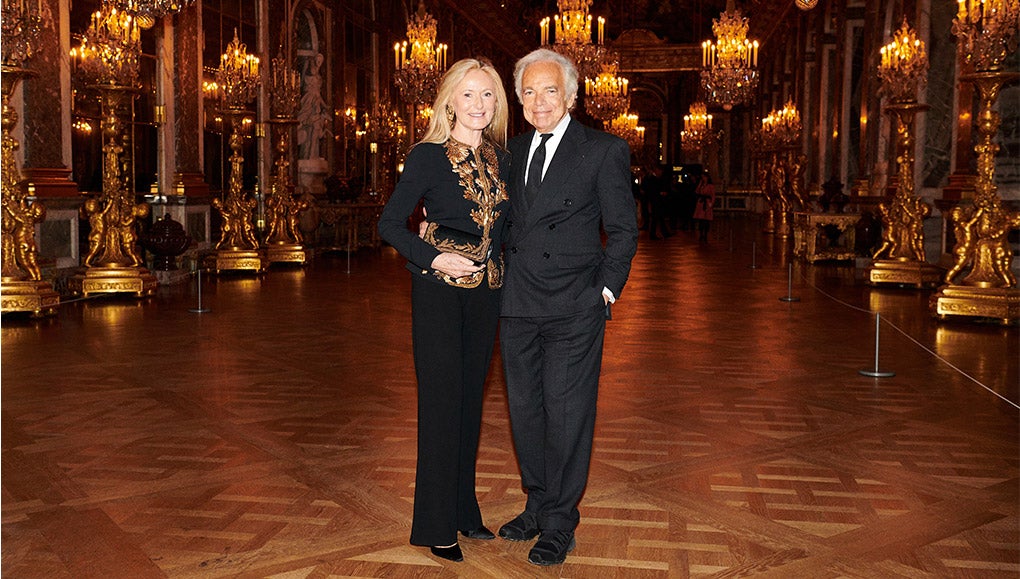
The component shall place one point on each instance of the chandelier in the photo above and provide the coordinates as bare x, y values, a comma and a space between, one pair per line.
986, 31
572, 36
730, 74
20, 23
626, 127
110, 47
605, 96
384, 124
147, 12
238, 75
286, 88
904, 65
419, 61
781, 128
697, 133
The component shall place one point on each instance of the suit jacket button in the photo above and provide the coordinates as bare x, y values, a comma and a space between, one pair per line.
513, 250
509, 223
552, 226
545, 255
568, 202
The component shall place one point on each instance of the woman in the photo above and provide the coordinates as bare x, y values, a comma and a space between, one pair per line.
703, 209
456, 170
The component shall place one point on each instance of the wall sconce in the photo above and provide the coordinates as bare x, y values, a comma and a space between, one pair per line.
373, 147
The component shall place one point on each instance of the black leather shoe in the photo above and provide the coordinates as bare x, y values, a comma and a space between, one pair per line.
481, 533
552, 548
451, 553
523, 527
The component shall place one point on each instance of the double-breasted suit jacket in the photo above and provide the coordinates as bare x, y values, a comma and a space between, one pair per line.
556, 262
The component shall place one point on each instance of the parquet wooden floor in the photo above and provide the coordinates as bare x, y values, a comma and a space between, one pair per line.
274, 436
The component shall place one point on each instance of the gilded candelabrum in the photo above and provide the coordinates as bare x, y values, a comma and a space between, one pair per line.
900, 260
108, 59
239, 78
980, 283
22, 287
283, 239
783, 168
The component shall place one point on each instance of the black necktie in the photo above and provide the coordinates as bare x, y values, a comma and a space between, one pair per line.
535, 171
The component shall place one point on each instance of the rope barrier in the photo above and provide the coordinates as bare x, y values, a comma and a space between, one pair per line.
912, 339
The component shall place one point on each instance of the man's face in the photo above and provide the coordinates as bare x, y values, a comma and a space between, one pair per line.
544, 96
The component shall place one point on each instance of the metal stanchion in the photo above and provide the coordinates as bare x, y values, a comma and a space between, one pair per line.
199, 309
789, 288
754, 255
876, 373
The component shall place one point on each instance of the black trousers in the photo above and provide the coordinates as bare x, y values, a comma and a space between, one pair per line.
454, 332
552, 368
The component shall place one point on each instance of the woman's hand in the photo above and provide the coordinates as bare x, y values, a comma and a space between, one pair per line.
454, 265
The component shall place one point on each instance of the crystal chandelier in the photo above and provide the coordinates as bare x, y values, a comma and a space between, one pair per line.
730, 74
606, 95
419, 61
781, 128
904, 65
572, 36
986, 31
149, 11
20, 22
697, 133
238, 75
384, 124
110, 48
626, 127
286, 89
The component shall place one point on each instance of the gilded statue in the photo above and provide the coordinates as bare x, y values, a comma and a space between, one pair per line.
25, 250
982, 243
903, 228
237, 231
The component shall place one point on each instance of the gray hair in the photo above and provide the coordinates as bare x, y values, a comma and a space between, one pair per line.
546, 55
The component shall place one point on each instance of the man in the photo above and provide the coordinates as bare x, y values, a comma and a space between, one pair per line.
567, 180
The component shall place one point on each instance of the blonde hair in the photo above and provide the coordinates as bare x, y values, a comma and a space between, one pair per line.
440, 127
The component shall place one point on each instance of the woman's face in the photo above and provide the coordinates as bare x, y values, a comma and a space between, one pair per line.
473, 102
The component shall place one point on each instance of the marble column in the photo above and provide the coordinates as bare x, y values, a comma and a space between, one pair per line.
188, 104
46, 134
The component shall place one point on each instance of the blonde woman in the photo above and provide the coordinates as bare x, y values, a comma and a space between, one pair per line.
457, 171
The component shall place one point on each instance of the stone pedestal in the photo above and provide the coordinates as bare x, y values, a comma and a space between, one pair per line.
312, 175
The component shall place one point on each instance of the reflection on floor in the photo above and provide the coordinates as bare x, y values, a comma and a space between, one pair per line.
274, 436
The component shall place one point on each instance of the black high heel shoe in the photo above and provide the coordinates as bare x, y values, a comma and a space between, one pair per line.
451, 553
481, 533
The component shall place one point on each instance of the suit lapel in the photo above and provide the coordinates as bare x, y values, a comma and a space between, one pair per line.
569, 154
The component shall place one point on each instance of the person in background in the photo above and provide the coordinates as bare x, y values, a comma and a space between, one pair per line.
703, 207
570, 183
656, 189
457, 171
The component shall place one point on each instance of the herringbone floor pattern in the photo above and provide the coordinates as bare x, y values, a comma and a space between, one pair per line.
274, 436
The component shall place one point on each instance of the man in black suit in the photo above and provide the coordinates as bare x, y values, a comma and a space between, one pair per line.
570, 184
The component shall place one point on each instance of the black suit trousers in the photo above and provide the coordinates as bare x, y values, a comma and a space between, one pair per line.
454, 332
552, 367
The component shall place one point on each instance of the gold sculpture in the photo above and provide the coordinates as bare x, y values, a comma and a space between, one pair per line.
22, 287
900, 259
980, 283
238, 247
113, 262
782, 170
109, 54
283, 210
